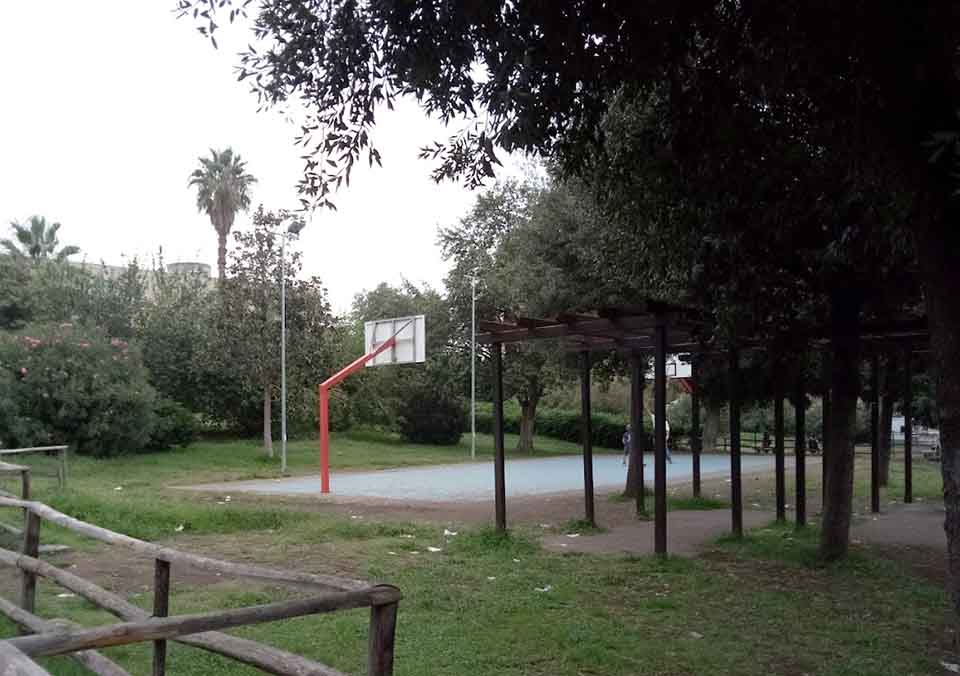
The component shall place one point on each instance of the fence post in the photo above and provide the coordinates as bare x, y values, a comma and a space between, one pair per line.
383, 629
161, 608
31, 547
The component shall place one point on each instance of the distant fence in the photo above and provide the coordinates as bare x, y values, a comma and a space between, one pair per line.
198, 630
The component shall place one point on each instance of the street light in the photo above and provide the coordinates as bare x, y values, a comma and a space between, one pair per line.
293, 230
473, 368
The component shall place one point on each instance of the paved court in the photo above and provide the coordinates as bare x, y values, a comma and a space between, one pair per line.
474, 481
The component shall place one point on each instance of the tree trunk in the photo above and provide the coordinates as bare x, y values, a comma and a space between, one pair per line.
937, 242
886, 422
221, 254
712, 422
267, 425
528, 415
630, 489
845, 390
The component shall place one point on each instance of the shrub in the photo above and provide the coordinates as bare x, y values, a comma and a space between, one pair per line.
430, 412
560, 424
66, 385
175, 426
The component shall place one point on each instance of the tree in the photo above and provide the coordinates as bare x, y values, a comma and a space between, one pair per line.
491, 245
15, 307
851, 94
223, 189
37, 240
245, 327
384, 395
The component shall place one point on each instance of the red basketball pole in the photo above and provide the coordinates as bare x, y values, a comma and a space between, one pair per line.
324, 403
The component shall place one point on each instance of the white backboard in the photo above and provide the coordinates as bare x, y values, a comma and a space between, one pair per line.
676, 368
411, 347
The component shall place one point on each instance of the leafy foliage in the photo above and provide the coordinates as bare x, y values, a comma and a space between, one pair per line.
37, 240
63, 384
381, 396
565, 425
431, 411
223, 189
490, 248
243, 355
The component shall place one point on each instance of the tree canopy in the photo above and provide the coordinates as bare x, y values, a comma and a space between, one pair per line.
37, 240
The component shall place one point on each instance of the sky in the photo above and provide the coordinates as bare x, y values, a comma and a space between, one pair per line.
108, 104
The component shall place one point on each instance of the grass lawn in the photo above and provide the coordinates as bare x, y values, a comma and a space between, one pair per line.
131, 494
486, 605
478, 607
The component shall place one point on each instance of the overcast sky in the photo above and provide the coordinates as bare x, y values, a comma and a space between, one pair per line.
107, 105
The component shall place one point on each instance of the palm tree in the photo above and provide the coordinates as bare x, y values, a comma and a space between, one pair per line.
37, 239
222, 190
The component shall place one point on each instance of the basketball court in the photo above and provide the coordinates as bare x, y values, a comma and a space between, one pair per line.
473, 481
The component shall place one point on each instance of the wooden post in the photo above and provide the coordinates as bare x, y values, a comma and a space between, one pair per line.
383, 628
660, 436
636, 429
31, 547
781, 488
875, 433
161, 608
736, 486
500, 494
25, 492
586, 433
800, 451
824, 427
696, 434
61, 468
908, 428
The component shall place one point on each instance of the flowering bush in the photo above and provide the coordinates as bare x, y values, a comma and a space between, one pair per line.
62, 384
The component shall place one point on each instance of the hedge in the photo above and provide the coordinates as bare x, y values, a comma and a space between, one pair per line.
559, 424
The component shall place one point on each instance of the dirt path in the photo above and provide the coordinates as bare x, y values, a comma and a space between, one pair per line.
687, 532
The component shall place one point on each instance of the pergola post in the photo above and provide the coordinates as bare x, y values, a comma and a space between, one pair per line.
824, 427
781, 482
875, 432
660, 435
500, 494
800, 451
586, 430
736, 487
696, 436
636, 429
908, 428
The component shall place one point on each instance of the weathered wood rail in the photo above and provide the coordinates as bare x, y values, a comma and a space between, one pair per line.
46, 637
60, 451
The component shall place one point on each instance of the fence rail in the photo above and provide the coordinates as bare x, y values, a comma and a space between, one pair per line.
198, 630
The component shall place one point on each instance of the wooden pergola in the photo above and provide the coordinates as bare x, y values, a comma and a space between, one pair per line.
654, 328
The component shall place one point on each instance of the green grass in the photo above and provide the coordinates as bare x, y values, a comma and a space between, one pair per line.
492, 604
674, 502
132, 494
489, 603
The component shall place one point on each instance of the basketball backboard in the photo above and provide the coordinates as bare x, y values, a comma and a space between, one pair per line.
676, 368
411, 345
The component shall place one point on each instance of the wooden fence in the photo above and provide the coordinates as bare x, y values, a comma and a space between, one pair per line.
60, 451
45, 637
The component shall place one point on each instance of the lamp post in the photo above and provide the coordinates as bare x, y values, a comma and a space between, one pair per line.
473, 368
292, 231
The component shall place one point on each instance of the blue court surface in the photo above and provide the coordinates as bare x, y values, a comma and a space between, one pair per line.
473, 481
